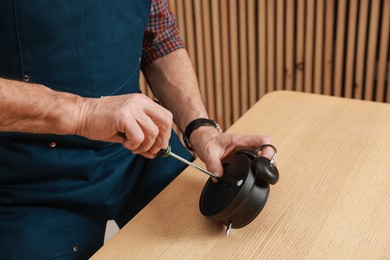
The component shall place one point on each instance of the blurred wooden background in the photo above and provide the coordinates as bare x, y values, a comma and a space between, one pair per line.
242, 49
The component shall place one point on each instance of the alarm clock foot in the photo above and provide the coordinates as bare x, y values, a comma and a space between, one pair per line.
229, 227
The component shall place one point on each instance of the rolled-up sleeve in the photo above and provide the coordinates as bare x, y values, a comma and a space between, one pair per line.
161, 35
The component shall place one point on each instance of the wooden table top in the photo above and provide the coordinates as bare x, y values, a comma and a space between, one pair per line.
332, 200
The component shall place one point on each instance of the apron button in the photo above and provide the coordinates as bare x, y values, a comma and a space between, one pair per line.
53, 144
26, 78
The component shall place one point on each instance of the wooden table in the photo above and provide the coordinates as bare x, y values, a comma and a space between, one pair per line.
332, 200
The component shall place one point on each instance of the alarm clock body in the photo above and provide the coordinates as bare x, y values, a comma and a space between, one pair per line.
239, 197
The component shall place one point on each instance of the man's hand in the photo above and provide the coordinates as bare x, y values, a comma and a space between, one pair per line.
212, 146
145, 124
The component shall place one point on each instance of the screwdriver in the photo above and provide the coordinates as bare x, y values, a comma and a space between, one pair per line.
168, 152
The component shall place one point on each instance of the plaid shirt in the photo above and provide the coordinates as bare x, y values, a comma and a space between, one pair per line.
161, 35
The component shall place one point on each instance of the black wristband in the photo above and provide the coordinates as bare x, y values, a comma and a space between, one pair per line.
196, 124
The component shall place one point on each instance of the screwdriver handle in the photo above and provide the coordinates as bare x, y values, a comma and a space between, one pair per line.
164, 153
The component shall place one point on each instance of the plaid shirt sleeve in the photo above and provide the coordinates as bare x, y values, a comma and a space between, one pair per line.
161, 35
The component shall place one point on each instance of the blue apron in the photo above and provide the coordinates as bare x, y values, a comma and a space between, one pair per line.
57, 192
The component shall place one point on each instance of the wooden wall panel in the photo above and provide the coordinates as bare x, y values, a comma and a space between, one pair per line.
319, 47
300, 46
271, 45
289, 42
384, 53
243, 55
208, 47
280, 43
225, 46
199, 35
309, 46
351, 47
243, 49
372, 42
329, 41
217, 60
339, 58
262, 46
361, 48
234, 60
252, 52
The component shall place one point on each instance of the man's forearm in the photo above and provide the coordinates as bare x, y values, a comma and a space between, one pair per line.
174, 83
34, 108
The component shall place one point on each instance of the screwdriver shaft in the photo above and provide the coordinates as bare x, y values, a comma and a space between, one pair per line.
193, 165
165, 152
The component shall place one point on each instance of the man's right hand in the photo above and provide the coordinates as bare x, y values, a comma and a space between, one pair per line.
145, 124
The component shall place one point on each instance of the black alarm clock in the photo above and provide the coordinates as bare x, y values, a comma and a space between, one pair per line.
239, 197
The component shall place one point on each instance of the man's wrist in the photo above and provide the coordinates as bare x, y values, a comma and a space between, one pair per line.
194, 125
